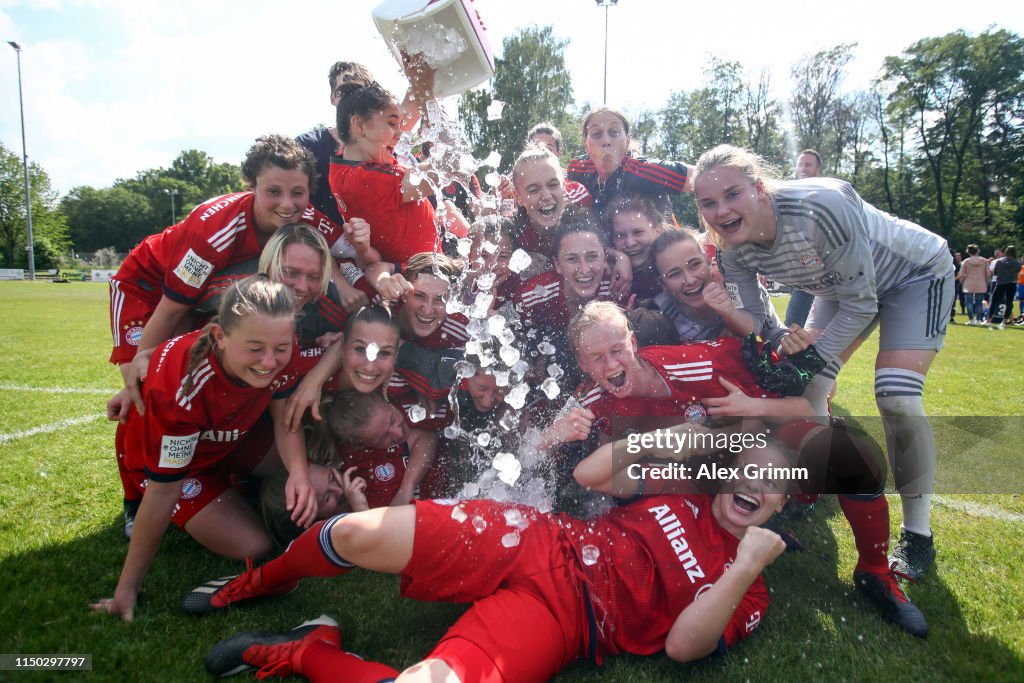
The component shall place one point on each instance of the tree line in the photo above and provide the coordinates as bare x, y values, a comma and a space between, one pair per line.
938, 139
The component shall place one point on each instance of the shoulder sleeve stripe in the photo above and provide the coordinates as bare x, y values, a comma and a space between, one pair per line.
223, 239
200, 376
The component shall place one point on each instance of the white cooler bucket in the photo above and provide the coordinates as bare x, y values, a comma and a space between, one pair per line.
447, 33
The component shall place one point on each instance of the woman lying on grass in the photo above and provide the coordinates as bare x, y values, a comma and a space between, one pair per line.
546, 588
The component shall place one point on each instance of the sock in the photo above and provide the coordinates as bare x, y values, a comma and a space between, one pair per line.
869, 519
910, 442
311, 554
322, 662
817, 392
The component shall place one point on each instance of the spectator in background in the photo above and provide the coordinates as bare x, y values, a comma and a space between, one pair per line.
974, 278
1005, 270
958, 260
808, 165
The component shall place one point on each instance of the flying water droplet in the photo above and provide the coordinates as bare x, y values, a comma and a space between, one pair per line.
479, 523
591, 554
417, 413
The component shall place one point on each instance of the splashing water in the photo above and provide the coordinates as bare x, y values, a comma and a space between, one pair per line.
519, 261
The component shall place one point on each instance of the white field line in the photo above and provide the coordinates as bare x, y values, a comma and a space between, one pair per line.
979, 510
52, 427
58, 390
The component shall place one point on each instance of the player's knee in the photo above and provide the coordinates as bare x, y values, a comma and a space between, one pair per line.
429, 671
351, 536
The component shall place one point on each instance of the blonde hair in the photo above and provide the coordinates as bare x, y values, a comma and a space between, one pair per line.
593, 314
254, 295
296, 233
751, 165
431, 263
536, 152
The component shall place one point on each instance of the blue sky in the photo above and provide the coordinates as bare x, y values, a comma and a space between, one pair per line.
116, 86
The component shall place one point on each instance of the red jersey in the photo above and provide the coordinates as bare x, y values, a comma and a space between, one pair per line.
541, 301
320, 316
381, 468
691, 372
648, 560
578, 194
180, 261
190, 431
373, 192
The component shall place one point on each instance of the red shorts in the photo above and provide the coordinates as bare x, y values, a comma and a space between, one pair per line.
201, 487
130, 310
529, 617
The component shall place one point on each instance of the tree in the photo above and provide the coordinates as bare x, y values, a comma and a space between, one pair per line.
49, 229
531, 79
816, 96
956, 90
116, 217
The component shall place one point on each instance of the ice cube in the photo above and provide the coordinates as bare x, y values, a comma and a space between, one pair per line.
494, 110
510, 540
590, 555
483, 439
451, 432
550, 388
506, 337
463, 247
555, 371
546, 348
496, 324
490, 247
479, 523
487, 360
493, 160
459, 515
417, 413
517, 396
509, 355
514, 518
493, 179
520, 368
371, 351
485, 282
501, 377
473, 347
519, 261
482, 304
464, 369
508, 467
508, 421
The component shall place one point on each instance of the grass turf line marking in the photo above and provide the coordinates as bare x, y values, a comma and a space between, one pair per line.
978, 510
52, 427
58, 390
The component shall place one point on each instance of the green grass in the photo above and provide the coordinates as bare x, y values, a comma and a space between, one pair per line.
61, 544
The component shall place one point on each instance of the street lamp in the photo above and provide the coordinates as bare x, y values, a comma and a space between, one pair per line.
174, 193
606, 4
24, 162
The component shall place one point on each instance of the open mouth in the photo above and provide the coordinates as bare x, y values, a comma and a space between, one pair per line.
584, 279
286, 215
262, 373
732, 225
547, 211
693, 292
745, 503
425, 321
618, 380
364, 377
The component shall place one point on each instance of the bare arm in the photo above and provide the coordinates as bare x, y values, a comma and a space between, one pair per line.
698, 628
300, 498
422, 445
162, 325
150, 526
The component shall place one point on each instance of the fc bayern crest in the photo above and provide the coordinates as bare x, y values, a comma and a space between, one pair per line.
190, 488
384, 472
695, 413
810, 261
133, 335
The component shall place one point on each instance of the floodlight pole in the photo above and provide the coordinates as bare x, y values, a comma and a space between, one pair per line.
24, 162
174, 215
606, 4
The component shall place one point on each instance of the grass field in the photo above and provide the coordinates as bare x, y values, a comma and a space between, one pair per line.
61, 544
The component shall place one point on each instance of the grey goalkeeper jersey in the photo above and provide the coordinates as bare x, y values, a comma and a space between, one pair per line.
834, 245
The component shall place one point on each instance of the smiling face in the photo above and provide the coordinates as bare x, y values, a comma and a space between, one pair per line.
302, 269
425, 307
540, 190
751, 501
282, 196
685, 271
807, 166
495, 262
368, 357
632, 234
386, 427
607, 142
606, 352
256, 350
580, 261
735, 206
485, 392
